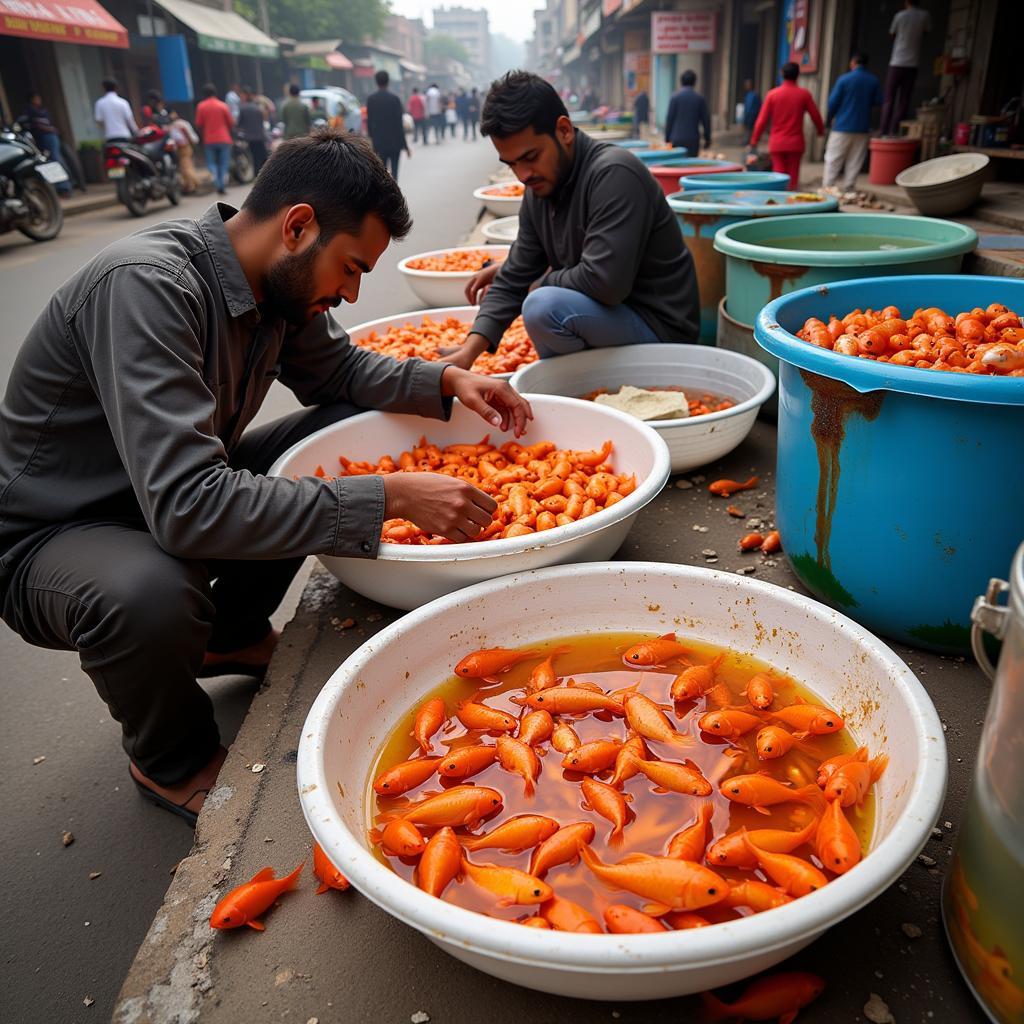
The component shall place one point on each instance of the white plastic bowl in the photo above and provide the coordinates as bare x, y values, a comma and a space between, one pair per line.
444, 287
500, 206
502, 231
945, 185
693, 441
883, 703
407, 576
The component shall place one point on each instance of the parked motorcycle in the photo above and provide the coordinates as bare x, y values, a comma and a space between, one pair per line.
28, 200
241, 167
143, 168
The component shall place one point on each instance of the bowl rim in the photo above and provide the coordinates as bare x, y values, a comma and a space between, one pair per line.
482, 194
434, 312
500, 222
681, 202
866, 375
646, 490
752, 176
980, 159
728, 942
756, 368
692, 163
449, 275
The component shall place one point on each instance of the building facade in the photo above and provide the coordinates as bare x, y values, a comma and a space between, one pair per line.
472, 29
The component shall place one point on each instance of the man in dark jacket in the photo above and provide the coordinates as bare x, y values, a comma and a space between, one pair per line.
39, 123
384, 124
641, 112
599, 259
687, 115
251, 127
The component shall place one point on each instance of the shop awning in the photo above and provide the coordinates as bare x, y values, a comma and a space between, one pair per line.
338, 61
70, 21
412, 68
323, 53
220, 31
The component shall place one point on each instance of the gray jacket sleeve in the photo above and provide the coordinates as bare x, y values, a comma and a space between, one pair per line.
139, 334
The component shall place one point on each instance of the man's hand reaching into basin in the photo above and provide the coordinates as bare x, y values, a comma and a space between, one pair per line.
495, 401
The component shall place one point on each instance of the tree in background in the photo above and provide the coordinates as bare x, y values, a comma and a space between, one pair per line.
353, 20
439, 48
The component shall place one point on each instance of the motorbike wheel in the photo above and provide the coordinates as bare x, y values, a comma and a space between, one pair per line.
242, 168
174, 191
47, 216
129, 192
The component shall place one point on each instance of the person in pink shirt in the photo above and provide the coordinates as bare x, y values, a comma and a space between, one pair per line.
215, 125
784, 108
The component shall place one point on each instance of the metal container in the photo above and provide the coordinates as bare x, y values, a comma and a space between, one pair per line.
899, 489
761, 181
768, 258
983, 896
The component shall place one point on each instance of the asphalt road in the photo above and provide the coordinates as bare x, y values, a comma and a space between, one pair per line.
69, 938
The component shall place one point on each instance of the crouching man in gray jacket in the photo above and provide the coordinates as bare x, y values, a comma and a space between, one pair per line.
137, 525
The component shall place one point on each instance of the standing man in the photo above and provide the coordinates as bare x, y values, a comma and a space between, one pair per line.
687, 115
849, 116
418, 112
215, 125
473, 110
250, 127
114, 114
295, 115
641, 113
233, 100
907, 30
435, 111
784, 108
751, 107
599, 259
462, 111
37, 119
384, 124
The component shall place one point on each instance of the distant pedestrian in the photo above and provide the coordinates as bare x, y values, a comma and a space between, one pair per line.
295, 115
589, 101
751, 107
155, 111
114, 114
37, 119
641, 112
849, 117
435, 111
233, 100
908, 29
418, 112
462, 111
215, 125
687, 115
251, 129
384, 124
784, 108
185, 142
473, 109
451, 115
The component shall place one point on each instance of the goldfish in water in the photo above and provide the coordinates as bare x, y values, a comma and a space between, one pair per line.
561, 848
462, 762
694, 682
684, 920
691, 843
399, 838
536, 727
729, 723
646, 719
564, 738
781, 996
571, 700
429, 718
657, 651
758, 896
669, 884
405, 776
837, 845
249, 901
760, 691
439, 863
828, 768
330, 877
593, 757
623, 920
522, 832
731, 851
630, 752
851, 782
490, 662
727, 488
774, 741
808, 719
797, 877
535, 922
518, 757
544, 676
565, 916
762, 791
607, 802
479, 716
671, 777
460, 805
510, 885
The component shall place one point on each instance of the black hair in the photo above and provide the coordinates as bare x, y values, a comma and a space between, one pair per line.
688, 78
154, 97
339, 175
382, 78
790, 71
209, 90
249, 89
293, 89
860, 58
109, 85
518, 101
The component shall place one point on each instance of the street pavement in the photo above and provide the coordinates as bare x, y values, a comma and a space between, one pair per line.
68, 937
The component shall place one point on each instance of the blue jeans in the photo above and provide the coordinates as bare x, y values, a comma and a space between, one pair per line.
218, 160
562, 320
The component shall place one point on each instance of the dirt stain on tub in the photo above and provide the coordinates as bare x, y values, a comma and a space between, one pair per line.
778, 274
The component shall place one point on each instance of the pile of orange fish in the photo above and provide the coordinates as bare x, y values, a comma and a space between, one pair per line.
661, 767
426, 339
537, 486
456, 261
514, 189
983, 341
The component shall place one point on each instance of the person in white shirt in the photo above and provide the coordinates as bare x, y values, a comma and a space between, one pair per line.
234, 100
435, 111
114, 114
907, 30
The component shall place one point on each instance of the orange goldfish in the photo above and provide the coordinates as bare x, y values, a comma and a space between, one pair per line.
460, 805
837, 845
625, 767
399, 838
462, 762
429, 718
566, 916
694, 682
851, 782
522, 832
571, 700
246, 902
440, 862
405, 776
564, 738
518, 757
776, 995
684, 920
561, 848
536, 727
593, 757
623, 920
729, 723
671, 777
727, 488
828, 768
330, 877
762, 791
731, 851
691, 843
657, 651
774, 741
511, 885
760, 691
646, 719
543, 676
535, 922
670, 884
607, 802
491, 661
797, 877
479, 716
808, 719
758, 896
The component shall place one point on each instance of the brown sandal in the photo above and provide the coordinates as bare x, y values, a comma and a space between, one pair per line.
181, 810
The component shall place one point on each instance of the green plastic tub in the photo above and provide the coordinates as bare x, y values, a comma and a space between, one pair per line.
765, 259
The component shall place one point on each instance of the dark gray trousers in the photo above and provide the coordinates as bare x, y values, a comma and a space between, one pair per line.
141, 620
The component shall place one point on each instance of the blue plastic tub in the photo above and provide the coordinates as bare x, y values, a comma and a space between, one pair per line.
762, 181
900, 490
631, 143
659, 156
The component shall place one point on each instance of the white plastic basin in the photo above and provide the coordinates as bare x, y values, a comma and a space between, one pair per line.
883, 703
502, 231
693, 441
444, 287
407, 576
500, 206
945, 185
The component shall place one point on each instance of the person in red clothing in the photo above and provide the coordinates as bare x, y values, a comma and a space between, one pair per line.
418, 112
215, 125
784, 107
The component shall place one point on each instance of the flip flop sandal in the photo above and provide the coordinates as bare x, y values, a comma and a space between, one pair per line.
232, 668
179, 809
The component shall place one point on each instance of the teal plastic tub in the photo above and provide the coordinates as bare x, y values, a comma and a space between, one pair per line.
762, 181
659, 156
765, 259
702, 214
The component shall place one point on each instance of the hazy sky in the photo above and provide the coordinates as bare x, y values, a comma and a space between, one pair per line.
513, 18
